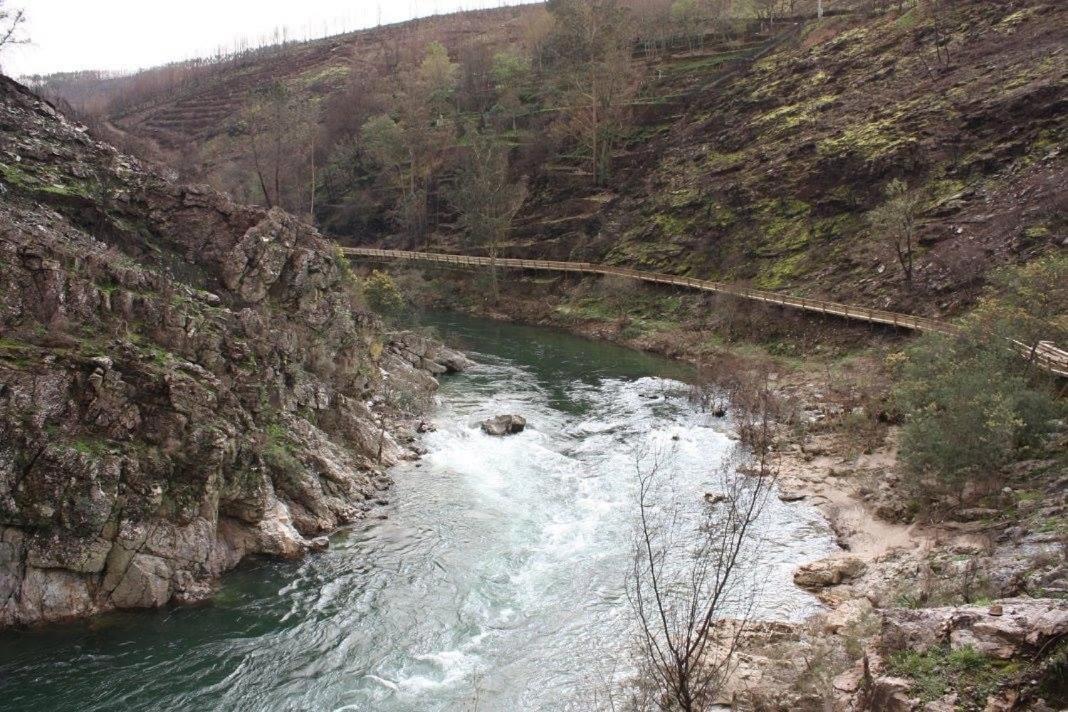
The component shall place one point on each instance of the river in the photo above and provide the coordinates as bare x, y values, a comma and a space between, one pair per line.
494, 578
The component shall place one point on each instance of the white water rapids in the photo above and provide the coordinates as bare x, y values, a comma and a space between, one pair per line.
495, 578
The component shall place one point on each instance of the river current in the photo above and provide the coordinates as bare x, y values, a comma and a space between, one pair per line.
494, 579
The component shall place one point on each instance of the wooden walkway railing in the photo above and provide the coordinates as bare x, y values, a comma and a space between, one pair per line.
1046, 355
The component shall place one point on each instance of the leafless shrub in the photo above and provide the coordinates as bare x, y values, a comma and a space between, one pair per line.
10, 23
684, 583
619, 292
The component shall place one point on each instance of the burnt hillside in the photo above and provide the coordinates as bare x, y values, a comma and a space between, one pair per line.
756, 156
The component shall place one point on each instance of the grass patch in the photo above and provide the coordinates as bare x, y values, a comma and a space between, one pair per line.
971, 674
92, 447
873, 140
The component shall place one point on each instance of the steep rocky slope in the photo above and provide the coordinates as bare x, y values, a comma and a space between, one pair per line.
769, 173
183, 381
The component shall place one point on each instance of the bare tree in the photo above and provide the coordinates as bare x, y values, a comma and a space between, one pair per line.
486, 197
937, 11
685, 584
693, 19
10, 22
279, 133
591, 43
766, 11
896, 221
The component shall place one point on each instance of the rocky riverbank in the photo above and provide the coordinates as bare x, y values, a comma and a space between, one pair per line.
184, 381
841, 455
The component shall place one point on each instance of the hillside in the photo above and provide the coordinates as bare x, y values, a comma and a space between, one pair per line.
770, 176
172, 109
183, 381
757, 157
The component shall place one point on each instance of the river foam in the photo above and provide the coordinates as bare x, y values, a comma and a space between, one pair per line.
496, 579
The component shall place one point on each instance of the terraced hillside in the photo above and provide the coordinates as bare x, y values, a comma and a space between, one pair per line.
769, 174
756, 158
209, 97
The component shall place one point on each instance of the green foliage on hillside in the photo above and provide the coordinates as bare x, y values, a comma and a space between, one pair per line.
974, 402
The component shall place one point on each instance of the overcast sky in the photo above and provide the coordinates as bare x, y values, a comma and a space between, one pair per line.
123, 35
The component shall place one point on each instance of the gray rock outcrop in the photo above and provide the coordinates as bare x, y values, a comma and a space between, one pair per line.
828, 572
183, 381
1005, 630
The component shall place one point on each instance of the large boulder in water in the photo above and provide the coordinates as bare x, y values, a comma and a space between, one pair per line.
504, 425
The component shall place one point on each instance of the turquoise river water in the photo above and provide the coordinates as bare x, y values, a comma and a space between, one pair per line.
494, 579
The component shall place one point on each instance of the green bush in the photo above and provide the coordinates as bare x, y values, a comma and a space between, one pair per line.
382, 294
972, 402
970, 405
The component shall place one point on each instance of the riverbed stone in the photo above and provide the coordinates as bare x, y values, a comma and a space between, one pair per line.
504, 425
829, 572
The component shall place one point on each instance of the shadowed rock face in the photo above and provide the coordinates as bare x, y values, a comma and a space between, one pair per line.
183, 381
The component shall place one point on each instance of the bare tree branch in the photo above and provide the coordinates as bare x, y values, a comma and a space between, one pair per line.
688, 588
10, 22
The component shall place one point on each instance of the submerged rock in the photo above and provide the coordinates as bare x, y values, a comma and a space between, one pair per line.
504, 425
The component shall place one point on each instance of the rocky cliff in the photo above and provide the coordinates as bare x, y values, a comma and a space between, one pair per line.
183, 381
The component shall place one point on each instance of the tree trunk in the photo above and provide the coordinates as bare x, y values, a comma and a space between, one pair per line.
278, 170
493, 274
311, 201
259, 174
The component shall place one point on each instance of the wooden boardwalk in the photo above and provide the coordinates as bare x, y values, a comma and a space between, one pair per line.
1047, 356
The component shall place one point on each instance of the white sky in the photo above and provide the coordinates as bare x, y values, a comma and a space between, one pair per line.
122, 35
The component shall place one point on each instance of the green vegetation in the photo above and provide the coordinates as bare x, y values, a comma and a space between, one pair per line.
870, 141
970, 408
90, 446
52, 183
936, 672
382, 294
972, 403
277, 450
333, 74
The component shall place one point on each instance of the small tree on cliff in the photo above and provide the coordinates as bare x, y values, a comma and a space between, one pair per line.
279, 131
895, 223
485, 197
